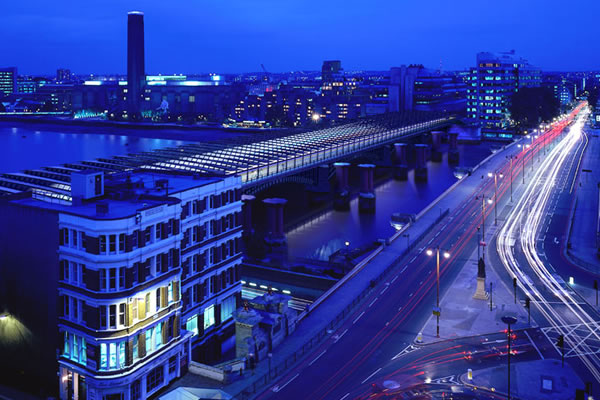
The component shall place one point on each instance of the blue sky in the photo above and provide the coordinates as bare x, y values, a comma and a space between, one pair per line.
89, 36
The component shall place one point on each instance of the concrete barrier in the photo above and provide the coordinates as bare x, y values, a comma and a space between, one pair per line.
216, 374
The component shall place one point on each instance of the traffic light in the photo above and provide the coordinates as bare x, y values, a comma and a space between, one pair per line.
560, 341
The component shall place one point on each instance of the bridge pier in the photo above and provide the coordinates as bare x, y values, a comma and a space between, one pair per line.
453, 155
341, 199
366, 197
421, 165
247, 201
275, 236
400, 163
436, 143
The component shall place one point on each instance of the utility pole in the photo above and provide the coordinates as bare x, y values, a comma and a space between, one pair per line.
491, 291
528, 306
515, 288
560, 342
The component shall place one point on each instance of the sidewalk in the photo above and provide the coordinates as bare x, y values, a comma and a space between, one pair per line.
318, 323
462, 315
540, 380
585, 217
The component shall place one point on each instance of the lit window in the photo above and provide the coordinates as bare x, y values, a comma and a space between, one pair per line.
192, 325
209, 317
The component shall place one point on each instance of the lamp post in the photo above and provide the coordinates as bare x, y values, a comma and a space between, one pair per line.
483, 201
509, 320
437, 267
511, 176
496, 175
524, 146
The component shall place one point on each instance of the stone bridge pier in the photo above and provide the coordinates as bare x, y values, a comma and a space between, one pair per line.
421, 163
275, 235
366, 197
247, 202
453, 154
436, 144
400, 161
341, 199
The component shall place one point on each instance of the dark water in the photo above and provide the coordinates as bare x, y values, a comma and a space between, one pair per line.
324, 235
37, 145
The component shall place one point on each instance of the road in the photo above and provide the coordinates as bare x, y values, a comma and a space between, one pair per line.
531, 252
388, 320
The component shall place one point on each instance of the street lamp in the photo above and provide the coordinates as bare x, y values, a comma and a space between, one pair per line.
509, 320
495, 174
511, 176
437, 266
524, 146
483, 201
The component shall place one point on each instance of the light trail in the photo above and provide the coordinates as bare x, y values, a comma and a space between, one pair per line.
527, 218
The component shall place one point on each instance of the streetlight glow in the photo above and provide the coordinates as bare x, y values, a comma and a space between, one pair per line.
446, 254
429, 252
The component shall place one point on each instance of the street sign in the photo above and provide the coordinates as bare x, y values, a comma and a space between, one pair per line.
437, 311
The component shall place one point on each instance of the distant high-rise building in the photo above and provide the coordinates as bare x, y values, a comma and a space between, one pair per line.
136, 75
330, 69
8, 81
416, 88
63, 75
493, 81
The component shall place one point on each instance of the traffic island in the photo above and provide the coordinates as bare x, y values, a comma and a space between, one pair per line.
540, 380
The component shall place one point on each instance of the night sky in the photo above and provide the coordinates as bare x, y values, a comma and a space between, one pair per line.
196, 36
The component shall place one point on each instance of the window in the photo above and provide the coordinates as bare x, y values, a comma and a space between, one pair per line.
102, 317
147, 303
149, 341
122, 314
158, 335
134, 309
65, 270
135, 347
191, 325
227, 308
122, 242
112, 279
74, 236
121, 348
157, 299
158, 231
154, 378
136, 390
112, 355
102, 279
112, 243
170, 292
148, 234
102, 239
103, 356
158, 263
122, 278
112, 316
209, 317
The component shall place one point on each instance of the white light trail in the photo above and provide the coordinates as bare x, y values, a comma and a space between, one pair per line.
524, 224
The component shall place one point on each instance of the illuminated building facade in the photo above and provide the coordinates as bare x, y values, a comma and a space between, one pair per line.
8, 81
491, 84
135, 274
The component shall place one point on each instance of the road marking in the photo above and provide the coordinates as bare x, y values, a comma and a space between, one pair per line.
339, 337
399, 308
357, 318
410, 295
384, 289
420, 283
346, 395
444, 227
393, 280
430, 240
370, 376
413, 259
315, 360
373, 302
534, 345
278, 388
438, 234
404, 269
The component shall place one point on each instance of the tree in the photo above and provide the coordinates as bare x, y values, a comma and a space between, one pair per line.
532, 105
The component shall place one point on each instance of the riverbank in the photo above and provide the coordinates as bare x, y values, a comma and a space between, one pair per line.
149, 130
